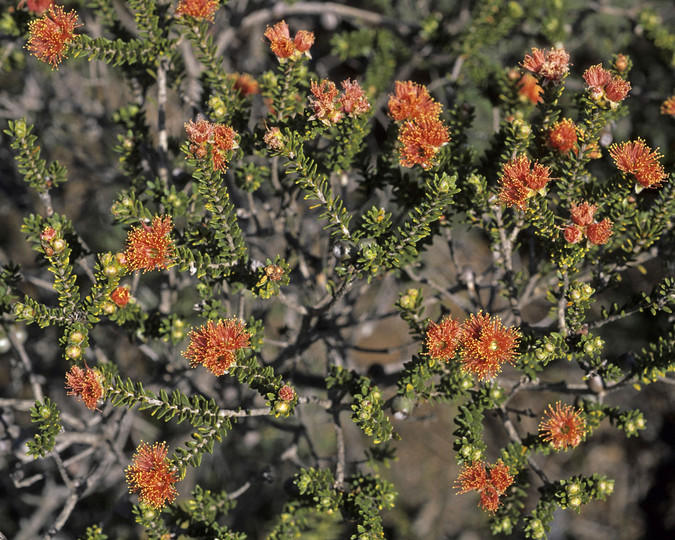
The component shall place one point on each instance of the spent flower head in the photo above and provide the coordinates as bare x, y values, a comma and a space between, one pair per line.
324, 102
353, 101
36, 6
563, 426
150, 247
549, 65
216, 346
85, 384
283, 46
51, 35
152, 476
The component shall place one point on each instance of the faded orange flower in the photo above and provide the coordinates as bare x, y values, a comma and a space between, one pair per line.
120, 296
563, 135
529, 90
273, 138
563, 426
283, 46
442, 339
85, 385
353, 101
221, 139
286, 393
412, 101
486, 345
668, 106
152, 476
215, 346
602, 84
421, 140
490, 482
521, 179
584, 226
50, 35
552, 65
245, 84
36, 6
599, 233
199, 9
324, 102
582, 214
150, 247
637, 159
573, 234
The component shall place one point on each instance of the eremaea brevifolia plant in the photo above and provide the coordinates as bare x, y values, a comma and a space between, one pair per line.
336, 270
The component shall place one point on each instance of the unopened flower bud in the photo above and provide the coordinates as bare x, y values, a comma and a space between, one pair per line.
73, 352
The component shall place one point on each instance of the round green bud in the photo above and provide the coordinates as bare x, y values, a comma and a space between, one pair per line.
73, 352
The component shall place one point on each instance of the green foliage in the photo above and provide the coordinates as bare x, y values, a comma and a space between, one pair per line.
48, 419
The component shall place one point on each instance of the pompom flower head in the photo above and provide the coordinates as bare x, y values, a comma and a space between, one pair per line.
151, 475
549, 65
198, 9
150, 247
411, 101
51, 35
490, 482
563, 427
487, 345
215, 346
563, 136
522, 179
443, 339
85, 385
637, 159
421, 140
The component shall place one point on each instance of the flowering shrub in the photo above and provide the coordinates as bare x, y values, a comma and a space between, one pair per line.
297, 247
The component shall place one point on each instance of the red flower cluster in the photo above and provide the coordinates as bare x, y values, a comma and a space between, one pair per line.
563, 136
85, 384
215, 346
218, 137
521, 180
491, 482
329, 107
199, 9
529, 90
483, 342
150, 247
563, 426
422, 133
668, 106
603, 85
151, 475
283, 46
637, 159
550, 65
583, 225
50, 35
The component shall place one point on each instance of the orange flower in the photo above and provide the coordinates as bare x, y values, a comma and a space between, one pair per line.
199, 9
520, 180
486, 345
563, 135
421, 140
564, 426
218, 137
50, 35
636, 158
597, 77
245, 84
282, 45
85, 385
215, 346
150, 248
489, 485
573, 234
552, 64
582, 214
617, 89
353, 101
324, 102
599, 233
443, 339
412, 101
36, 6
529, 90
151, 475
120, 296
668, 106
